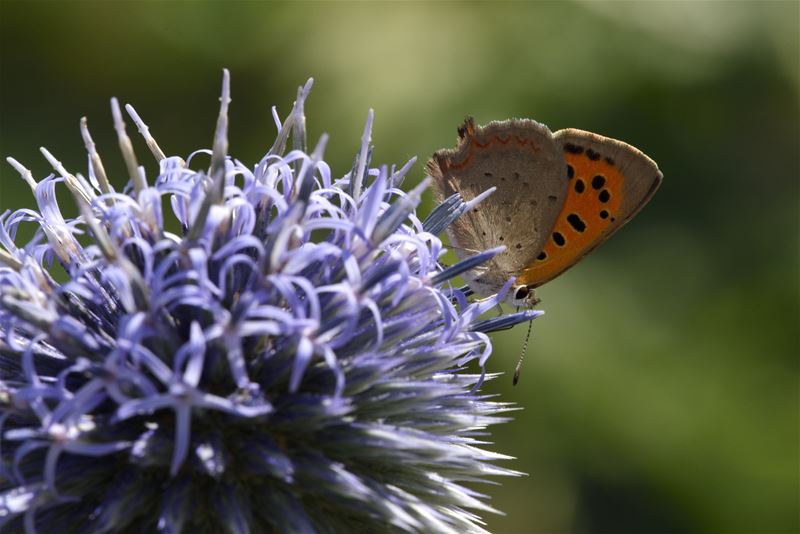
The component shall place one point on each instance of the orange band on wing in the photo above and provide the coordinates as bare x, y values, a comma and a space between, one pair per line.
474, 145
592, 204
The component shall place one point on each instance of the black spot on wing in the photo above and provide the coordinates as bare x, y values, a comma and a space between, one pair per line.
573, 149
576, 222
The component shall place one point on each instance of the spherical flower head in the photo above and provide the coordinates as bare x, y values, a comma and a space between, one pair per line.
239, 349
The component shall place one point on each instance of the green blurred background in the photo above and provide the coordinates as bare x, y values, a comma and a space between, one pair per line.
660, 392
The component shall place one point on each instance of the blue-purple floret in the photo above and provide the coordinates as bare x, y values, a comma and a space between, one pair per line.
278, 351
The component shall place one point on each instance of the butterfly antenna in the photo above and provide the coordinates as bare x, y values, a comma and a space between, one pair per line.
518, 368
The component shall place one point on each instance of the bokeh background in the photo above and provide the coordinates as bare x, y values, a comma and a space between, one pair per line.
660, 392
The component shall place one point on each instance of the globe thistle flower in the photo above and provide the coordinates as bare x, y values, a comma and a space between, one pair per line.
240, 349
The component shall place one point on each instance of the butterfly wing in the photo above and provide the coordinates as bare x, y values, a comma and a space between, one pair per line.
609, 182
521, 158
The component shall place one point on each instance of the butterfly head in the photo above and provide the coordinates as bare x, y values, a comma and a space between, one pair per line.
523, 296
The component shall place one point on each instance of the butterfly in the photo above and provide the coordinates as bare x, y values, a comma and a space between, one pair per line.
559, 196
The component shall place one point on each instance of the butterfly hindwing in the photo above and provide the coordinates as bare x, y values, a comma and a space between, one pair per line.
522, 159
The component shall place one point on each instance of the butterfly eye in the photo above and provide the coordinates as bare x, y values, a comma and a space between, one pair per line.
521, 292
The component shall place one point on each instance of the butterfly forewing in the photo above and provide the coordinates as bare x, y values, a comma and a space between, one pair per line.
609, 182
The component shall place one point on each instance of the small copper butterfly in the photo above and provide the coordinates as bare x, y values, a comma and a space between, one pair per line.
558, 197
